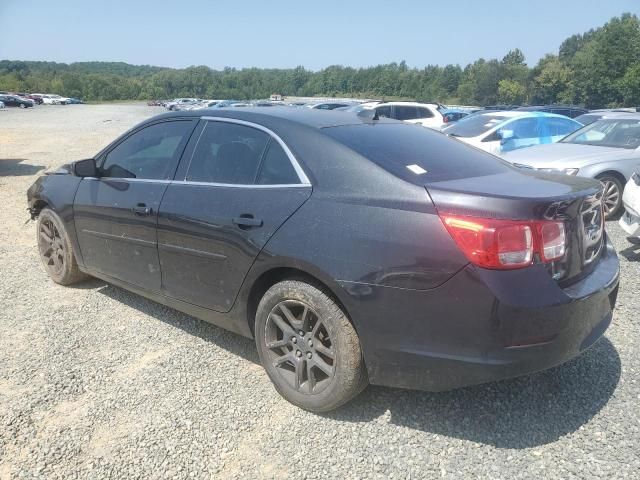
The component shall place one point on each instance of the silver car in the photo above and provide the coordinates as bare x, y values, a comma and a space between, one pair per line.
607, 150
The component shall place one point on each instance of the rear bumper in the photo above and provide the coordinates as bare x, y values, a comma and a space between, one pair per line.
482, 326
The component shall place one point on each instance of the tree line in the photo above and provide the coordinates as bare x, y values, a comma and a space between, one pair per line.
599, 68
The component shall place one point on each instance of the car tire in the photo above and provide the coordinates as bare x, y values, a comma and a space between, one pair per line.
22, 105
56, 251
612, 198
308, 347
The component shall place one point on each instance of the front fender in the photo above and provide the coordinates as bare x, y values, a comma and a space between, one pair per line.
57, 192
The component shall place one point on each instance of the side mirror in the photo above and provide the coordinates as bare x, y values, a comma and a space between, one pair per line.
85, 168
505, 135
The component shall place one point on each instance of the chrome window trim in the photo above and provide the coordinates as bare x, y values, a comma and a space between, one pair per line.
240, 185
304, 180
198, 184
129, 179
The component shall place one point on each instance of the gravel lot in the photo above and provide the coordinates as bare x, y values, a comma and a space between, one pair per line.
96, 382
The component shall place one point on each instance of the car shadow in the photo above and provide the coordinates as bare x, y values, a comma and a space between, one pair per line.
524, 412
13, 167
631, 253
234, 343
519, 413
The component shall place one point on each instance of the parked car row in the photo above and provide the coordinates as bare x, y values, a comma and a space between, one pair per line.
25, 100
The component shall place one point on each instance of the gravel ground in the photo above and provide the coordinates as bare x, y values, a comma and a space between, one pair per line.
96, 382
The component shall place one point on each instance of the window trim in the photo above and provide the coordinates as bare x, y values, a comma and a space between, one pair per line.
302, 176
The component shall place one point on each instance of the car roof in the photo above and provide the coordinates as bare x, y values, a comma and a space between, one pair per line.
409, 104
530, 108
272, 117
509, 114
623, 115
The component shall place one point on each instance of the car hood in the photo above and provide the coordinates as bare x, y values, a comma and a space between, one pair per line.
566, 155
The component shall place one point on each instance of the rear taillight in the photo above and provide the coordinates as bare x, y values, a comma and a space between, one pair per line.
506, 244
552, 240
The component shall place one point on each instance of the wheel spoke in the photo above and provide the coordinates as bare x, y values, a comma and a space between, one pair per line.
46, 229
320, 348
277, 343
311, 377
44, 236
282, 325
304, 319
293, 321
47, 253
316, 327
282, 359
324, 366
299, 373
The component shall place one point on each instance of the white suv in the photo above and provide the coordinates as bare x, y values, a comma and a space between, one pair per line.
49, 99
426, 114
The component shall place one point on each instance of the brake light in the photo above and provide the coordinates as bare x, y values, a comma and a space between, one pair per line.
506, 244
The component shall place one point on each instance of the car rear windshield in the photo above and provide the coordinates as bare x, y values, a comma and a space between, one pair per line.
475, 125
415, 153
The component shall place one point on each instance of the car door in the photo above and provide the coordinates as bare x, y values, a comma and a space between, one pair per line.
116, 214
239, 186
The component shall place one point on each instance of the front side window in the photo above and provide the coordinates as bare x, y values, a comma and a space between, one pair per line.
151, 153
228, 153
524, 128
384, 111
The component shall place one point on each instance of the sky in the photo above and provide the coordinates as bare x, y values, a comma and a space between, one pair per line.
286, 33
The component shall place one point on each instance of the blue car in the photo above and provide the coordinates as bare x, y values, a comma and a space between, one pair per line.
501, 132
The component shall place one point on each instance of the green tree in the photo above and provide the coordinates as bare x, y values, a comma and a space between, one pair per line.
511, 92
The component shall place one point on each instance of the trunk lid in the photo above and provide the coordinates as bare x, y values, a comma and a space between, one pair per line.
516, 195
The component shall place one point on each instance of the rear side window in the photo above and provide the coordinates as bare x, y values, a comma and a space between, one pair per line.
416, 154
227, 153
151, 153
403, 112
276, 168
424, 112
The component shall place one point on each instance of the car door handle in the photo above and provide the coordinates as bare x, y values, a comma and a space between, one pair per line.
246, 221
142, 210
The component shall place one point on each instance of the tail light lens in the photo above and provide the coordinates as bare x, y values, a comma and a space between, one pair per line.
553, 240
506, 244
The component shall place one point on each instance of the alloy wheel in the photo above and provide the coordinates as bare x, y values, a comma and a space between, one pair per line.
300, 347
51, 247
611, 197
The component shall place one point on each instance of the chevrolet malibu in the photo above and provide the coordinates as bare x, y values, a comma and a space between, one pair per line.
354, 250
